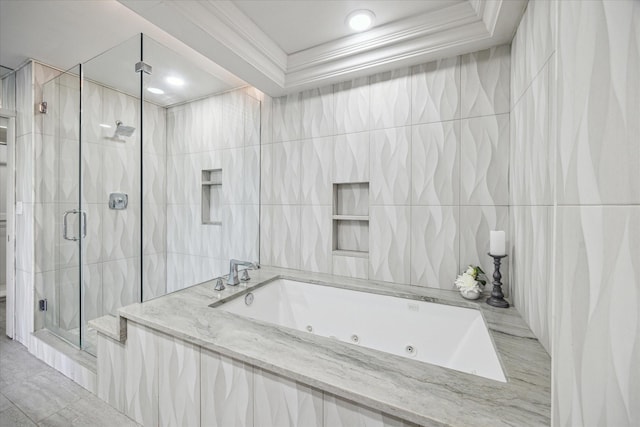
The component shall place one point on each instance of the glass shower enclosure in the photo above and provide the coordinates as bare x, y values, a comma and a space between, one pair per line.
153, 168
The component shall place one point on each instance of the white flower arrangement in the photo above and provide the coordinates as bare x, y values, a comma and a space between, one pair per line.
469, 282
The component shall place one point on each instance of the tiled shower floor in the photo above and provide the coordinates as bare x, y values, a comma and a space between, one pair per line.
32, 393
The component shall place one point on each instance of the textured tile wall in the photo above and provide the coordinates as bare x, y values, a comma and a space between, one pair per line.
596, 347
433, 143
196, 141
532, 167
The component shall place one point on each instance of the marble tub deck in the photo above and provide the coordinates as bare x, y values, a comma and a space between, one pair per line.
413, 391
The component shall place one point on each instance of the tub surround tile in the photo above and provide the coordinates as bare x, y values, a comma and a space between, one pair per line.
390, 97
317, 112
351, 158
435, 164
357, 374
484, 82
390, 155
351, 100
315, 240
435, 91
350, 266
389, 245
317, 171
287, 116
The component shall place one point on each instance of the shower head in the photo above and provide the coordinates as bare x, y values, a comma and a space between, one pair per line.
122, 130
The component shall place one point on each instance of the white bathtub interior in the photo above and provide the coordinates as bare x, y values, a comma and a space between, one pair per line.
443, 335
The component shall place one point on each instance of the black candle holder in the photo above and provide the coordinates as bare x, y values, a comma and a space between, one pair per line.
497, 297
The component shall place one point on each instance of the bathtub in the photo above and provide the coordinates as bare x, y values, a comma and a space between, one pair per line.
448, 336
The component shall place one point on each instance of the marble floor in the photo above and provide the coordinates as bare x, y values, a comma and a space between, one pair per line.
32, 393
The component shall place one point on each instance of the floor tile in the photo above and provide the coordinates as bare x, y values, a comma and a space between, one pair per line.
15, 418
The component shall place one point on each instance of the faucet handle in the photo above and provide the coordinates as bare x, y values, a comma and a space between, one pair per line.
245, 276
219, 285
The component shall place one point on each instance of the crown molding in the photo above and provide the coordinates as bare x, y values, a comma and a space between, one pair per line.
222, 32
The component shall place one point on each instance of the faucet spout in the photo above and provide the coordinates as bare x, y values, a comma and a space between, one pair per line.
233, 270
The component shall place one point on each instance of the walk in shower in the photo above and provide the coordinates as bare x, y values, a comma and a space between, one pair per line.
151, 168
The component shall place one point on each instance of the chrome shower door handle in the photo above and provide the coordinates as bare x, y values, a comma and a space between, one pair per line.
84, 224
65, 226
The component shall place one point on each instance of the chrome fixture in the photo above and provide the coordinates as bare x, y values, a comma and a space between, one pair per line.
65, 226
219, 285
233, 271
118, 201
122, 130
248, 298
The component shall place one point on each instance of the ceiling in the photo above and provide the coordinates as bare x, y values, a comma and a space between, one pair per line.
298, 25
277, 46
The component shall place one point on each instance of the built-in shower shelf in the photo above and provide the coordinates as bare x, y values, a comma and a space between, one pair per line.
211, 196
354, 254
351, 217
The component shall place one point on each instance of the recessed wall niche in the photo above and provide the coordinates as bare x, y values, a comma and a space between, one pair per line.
211, 196
351, 219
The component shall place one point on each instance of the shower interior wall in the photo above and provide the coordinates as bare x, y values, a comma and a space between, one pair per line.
179, 142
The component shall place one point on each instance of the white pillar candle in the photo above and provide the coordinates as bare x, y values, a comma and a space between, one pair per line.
497, 243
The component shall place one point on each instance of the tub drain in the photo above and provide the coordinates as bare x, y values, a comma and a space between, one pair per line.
355, 339
410, 349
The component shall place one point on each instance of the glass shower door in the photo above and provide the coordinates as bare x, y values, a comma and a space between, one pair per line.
60, 221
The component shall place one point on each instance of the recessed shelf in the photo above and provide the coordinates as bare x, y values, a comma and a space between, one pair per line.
355, 254
211, 196
351, 219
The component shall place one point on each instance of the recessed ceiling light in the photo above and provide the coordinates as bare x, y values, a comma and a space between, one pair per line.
155, 90
360, 20
176, 81
102, 125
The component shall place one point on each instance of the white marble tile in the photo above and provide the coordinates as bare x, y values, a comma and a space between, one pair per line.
484, 82
286, 236
390, 99
435, 238
226, 391
352, 102
351, 158
435, 91
390, 170
282, 402
316, 166
178, 382
389, 245
484, 161
435, 164
317, 112
315, 246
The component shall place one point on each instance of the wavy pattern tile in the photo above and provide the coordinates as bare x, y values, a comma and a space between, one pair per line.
350, 266
141, 380
317, 112
120, 284
315, 242
476, 222
121, 232
530, 248
154, 278
233, 120
46, 170
46, 234
352, 236
251, 124
597, 344
285, 236
317, 161
390, 95
484, 161
266, 227
390, 153
227, 391
178, 382
435, 164
389, 245
435, 91
434, 246
266, 174
352, 199
599, 154
484, 82
352, 102
342, 413
287, 172
287, 116
282, 402
351, 158
110, 369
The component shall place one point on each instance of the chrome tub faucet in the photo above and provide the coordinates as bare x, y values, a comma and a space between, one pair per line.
233, 271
